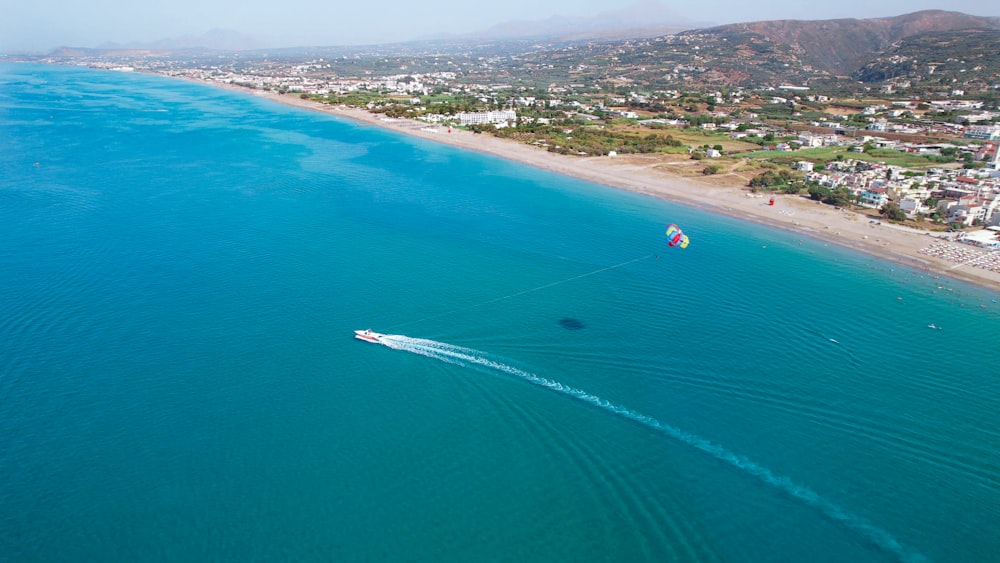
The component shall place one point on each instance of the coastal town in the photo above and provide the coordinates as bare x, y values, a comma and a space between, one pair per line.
911, 152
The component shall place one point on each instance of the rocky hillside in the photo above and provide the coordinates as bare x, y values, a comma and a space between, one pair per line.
942, 58
841, 46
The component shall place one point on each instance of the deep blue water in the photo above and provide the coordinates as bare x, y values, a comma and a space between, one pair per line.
181, 270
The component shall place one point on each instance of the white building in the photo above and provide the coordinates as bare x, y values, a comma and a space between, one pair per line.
967, 214
503, 117
808, 140
988, 132
912, 206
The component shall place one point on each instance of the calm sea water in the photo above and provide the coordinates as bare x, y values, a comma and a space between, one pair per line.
181, 270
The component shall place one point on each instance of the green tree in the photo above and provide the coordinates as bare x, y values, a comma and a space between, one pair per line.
818, 192
771, 178
792, 188
892, 212
841, 197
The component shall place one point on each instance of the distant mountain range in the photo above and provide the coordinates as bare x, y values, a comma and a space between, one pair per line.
216, 40
934, 47
645, 18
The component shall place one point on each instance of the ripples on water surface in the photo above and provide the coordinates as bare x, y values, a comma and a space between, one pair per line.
182, 271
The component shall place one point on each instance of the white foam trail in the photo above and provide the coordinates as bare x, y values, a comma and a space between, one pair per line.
467, 356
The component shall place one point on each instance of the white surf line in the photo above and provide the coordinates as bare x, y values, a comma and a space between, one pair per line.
466, 356
605, 269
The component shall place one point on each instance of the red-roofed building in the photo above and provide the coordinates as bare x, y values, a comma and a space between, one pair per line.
987, 152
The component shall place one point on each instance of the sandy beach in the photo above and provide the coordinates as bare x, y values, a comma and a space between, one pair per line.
861, 231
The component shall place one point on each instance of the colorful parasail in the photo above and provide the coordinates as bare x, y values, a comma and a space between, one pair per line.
676, 237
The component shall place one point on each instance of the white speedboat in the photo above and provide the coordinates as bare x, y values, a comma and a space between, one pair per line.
368, 335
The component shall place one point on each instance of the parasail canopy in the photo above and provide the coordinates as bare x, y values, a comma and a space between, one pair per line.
676, 237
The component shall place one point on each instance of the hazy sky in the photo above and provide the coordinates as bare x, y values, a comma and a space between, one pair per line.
43, 24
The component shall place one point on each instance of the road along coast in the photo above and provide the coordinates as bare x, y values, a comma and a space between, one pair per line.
645, 174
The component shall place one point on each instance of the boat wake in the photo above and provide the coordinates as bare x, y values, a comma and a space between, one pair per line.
469, 357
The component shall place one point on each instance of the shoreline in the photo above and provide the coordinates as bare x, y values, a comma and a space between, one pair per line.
641, 174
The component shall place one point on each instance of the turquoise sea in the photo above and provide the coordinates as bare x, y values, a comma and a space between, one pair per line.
181, 270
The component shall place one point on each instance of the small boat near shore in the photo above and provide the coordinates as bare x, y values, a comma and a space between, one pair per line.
368, 336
